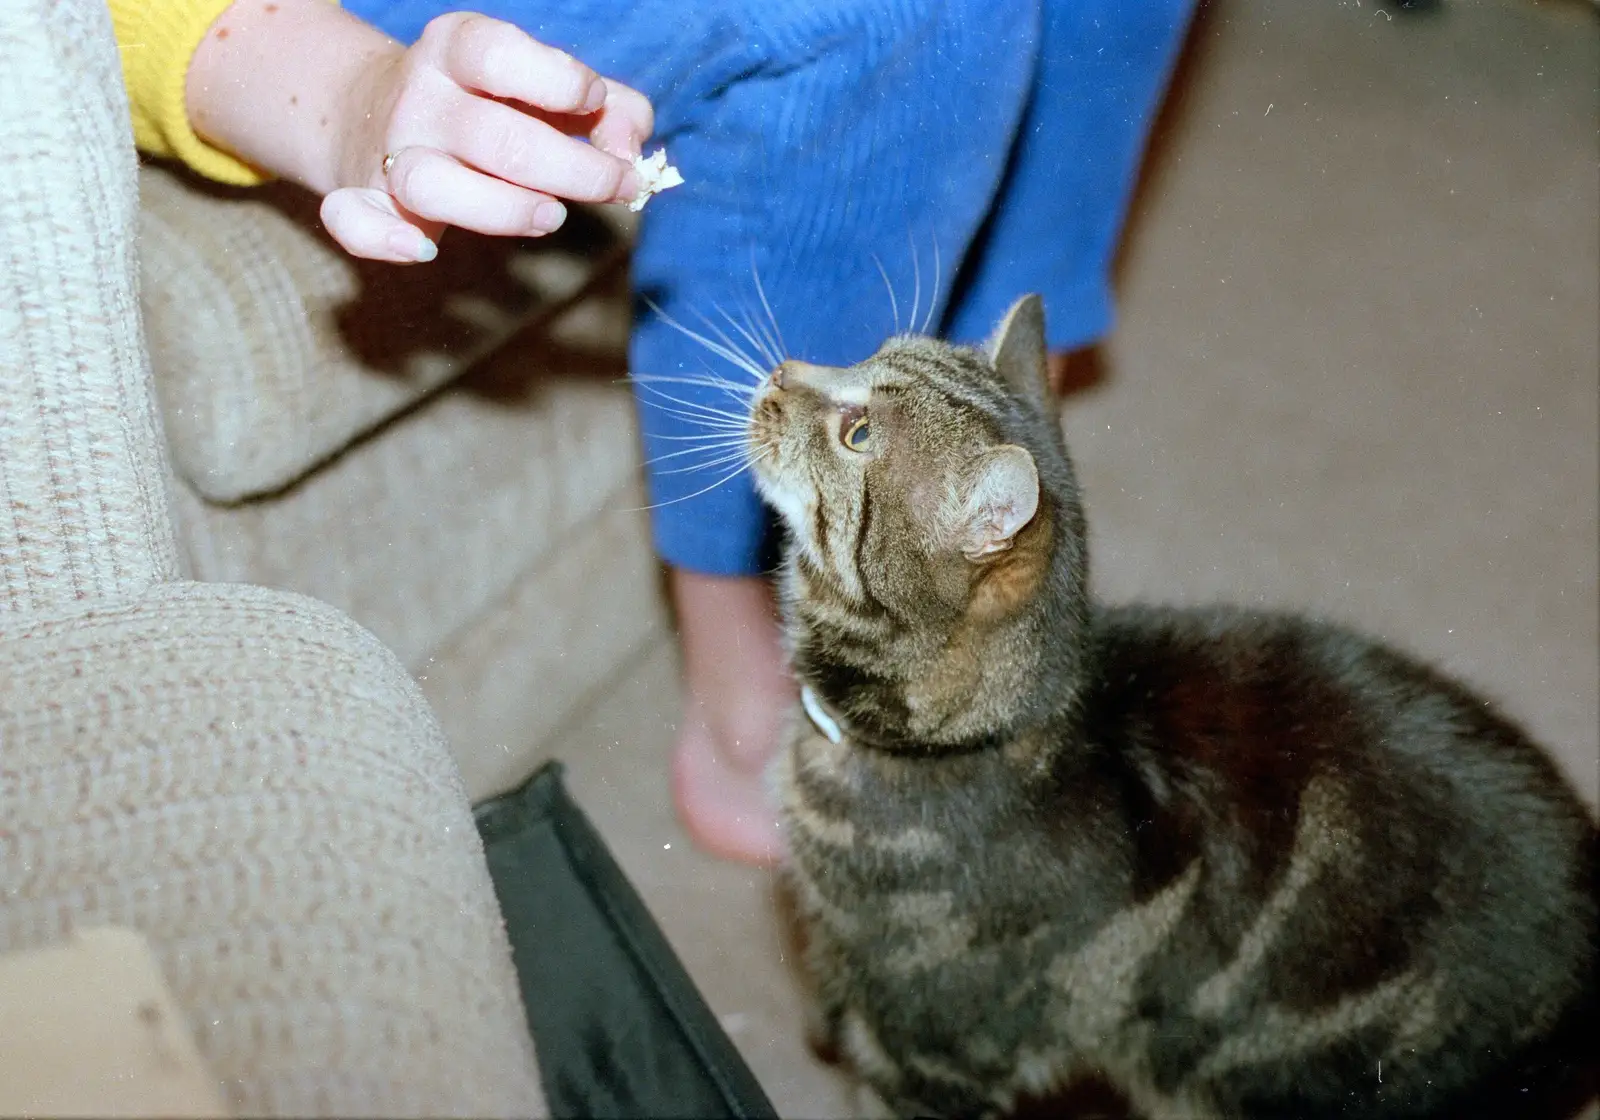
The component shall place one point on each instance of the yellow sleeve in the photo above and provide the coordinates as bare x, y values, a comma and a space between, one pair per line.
157, 39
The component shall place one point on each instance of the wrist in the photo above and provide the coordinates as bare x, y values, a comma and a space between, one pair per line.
349, 149
287, 86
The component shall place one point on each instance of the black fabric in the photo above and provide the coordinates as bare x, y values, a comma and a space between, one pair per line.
619, 1027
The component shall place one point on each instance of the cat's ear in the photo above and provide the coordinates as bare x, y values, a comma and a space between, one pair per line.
1002, 499
1018, 352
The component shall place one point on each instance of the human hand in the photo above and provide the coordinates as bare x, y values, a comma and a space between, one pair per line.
485, 125
477, 125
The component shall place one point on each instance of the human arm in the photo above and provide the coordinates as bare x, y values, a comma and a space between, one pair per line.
484, 123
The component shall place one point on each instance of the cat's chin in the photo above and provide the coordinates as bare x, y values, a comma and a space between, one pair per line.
792, 509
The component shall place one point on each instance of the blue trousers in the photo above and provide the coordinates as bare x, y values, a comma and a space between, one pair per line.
824, 140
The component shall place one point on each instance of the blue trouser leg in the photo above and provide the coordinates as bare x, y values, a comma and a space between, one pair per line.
1054, 227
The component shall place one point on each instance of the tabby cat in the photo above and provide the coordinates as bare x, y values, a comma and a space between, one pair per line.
1238, 864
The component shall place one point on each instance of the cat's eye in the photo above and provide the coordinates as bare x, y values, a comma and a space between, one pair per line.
855, 432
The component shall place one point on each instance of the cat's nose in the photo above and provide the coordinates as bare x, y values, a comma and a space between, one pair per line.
791, 373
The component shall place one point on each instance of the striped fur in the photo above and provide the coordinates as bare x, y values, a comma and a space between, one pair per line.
1241, 865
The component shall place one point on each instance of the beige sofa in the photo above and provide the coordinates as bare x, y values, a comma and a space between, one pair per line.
297, 560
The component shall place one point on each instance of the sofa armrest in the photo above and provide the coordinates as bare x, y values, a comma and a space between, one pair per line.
255, 784
83, 474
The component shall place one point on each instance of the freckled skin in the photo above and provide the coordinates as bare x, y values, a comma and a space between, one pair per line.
1225, 861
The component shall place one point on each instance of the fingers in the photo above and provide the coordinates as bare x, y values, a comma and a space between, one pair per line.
431, 185
521, 149
367, 223
427, 191
488, 56
625, 123
465, 152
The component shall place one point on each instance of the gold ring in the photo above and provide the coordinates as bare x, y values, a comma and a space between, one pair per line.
388, 162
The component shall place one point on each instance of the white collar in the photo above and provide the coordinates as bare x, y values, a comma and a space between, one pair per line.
820, 719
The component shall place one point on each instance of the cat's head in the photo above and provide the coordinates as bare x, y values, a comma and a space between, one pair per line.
931, 511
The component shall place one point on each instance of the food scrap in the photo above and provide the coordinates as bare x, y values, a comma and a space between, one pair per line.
655, 176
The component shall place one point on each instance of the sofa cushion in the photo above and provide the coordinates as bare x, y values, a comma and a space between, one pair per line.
507, 688
418, 530
273, 349
255, 784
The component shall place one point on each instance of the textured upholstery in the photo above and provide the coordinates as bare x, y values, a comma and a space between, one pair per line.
255, 783
417, 532
83, 480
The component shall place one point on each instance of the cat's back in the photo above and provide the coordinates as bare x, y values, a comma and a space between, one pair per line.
1263, 698
1440, 840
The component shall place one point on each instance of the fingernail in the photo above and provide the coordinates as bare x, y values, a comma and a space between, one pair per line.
630, 186
596, 97
548, 216
412, 246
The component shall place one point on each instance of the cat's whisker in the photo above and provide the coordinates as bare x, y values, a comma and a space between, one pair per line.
702, 437
933, 297
769, 349
761, 291
691, 418
700, 464
744, 332
707, 437
707, 417
708, 380
760, 327
916, 280
772, 349
713, 427
732, 357
740, 393
711, 464
709, 411
747, 361
729, 477
894, 304
702, 449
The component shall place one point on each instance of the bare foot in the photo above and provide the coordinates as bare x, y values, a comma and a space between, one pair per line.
737, 697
